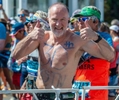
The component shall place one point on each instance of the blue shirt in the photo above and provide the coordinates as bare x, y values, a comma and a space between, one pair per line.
3, 34
107, 37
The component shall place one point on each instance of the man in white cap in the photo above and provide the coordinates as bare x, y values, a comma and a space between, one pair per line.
114, 32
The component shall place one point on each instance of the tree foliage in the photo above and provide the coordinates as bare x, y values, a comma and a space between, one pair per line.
111, 10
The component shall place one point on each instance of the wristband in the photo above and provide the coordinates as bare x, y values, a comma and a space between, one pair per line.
99, 38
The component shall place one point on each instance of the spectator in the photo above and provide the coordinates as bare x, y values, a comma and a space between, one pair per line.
4, 56
114, 31
19, 33
3, 36
104, 27
115, 22
22, 15
74, 22
94, 71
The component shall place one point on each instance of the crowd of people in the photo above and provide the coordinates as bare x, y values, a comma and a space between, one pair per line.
42, 50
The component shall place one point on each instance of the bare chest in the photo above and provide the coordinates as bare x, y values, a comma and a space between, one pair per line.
58, 56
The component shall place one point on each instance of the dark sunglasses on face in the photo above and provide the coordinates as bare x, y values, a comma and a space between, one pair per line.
87, 18
83, 19
21, 15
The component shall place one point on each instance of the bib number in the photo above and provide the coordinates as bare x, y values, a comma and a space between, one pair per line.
79, 85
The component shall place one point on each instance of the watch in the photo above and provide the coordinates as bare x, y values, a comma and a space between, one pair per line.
99, 38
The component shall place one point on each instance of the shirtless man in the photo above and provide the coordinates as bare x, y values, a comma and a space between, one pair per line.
60, 49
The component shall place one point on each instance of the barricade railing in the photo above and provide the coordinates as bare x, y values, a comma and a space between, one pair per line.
57, 92
98, 88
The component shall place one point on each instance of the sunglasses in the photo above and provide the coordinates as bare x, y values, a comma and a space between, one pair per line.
21, 15
87, 18
83, 19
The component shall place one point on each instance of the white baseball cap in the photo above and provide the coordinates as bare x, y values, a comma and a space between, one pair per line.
114, 28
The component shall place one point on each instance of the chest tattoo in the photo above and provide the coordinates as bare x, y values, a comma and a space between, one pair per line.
69, 45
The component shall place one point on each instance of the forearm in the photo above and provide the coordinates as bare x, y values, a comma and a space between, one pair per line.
24, 47
106, 50
5, 16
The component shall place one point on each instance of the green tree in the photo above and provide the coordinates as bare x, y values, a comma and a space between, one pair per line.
111, 10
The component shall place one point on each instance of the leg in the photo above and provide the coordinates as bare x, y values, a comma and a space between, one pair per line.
8, 78
3, 79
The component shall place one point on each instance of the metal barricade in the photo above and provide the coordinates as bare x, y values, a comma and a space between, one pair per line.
98, 88
57, 92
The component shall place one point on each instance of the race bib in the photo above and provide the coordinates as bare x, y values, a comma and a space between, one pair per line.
32, 67
79, 85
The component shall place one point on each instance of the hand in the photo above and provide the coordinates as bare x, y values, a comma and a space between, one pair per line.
22, 60
87, 33
38, 33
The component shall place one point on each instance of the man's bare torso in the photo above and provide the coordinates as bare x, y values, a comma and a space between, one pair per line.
58, 60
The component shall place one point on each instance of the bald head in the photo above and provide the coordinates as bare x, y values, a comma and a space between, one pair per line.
59, 7
58, 17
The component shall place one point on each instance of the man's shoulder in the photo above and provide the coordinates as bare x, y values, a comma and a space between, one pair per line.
2, 26
107, 37
104, 34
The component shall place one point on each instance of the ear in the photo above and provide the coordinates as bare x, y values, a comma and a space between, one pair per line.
96, 21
